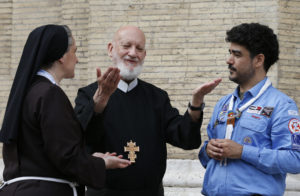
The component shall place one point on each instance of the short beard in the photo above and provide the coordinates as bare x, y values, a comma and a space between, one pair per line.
125, 72
241, 79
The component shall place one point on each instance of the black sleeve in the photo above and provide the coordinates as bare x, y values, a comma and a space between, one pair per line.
89, 120
84, 105
181, 131
63, 141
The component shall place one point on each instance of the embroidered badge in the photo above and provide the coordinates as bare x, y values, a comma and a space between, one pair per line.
267, 111
294, 125
247, 140
222, 116
293, 113
225, 108
254, 109
296, 141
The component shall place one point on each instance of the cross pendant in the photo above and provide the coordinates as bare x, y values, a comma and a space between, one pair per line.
131, 148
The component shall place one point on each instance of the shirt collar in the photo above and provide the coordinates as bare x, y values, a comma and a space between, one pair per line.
123, 86
47, 75
253, 91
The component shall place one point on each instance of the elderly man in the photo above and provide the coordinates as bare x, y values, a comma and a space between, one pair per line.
250, 148
129, 116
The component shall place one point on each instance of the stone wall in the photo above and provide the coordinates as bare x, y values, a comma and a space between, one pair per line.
185, 42
5, 53
289, 38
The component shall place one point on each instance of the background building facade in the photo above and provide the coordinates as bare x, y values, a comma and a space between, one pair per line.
185, 42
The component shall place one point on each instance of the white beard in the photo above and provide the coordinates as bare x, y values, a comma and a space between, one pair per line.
128, 74
125, 71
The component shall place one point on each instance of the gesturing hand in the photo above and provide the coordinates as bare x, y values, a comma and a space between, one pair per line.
112, 161
204, 89
107, 84
198, 96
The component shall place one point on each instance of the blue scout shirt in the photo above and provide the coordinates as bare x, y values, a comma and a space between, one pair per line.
265, 130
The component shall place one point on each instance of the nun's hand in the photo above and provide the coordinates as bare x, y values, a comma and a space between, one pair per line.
112, 161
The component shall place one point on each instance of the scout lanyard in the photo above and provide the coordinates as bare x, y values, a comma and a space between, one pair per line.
231, 116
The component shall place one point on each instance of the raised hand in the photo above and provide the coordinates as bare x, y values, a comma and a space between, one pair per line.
201, 91
198, 97
107, 84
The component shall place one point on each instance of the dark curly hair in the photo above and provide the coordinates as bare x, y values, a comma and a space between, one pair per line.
257, 39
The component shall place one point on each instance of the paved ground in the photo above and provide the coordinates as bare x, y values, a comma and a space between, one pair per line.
185, 177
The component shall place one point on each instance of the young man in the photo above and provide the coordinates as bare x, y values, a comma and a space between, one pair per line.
133, 115
250, 147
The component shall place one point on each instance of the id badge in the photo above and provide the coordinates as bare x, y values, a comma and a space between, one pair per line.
296, 141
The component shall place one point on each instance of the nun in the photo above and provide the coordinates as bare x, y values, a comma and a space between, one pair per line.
43, 142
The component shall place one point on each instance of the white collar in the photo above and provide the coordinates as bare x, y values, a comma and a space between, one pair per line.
46, 74
123, 86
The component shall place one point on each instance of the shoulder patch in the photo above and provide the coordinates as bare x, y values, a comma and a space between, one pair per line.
293, 113
294, 125
296, 141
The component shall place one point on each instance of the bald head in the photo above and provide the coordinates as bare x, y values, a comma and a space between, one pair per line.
127, 51
127, 32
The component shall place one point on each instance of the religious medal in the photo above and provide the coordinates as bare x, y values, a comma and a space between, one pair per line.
131, 148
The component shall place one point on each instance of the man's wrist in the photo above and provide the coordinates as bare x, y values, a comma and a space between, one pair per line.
196, 108
100, 105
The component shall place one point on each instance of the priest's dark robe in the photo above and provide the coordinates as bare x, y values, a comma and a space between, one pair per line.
145, 116
50, 144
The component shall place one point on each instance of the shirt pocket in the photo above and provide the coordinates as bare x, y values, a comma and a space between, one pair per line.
257, 124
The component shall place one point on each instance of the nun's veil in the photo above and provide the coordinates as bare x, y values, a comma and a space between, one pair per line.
44, 45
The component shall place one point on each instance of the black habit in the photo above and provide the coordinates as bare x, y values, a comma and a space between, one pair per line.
50, 144
145, 116
40, 132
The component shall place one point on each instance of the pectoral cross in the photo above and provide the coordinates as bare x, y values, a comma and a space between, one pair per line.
131, 148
